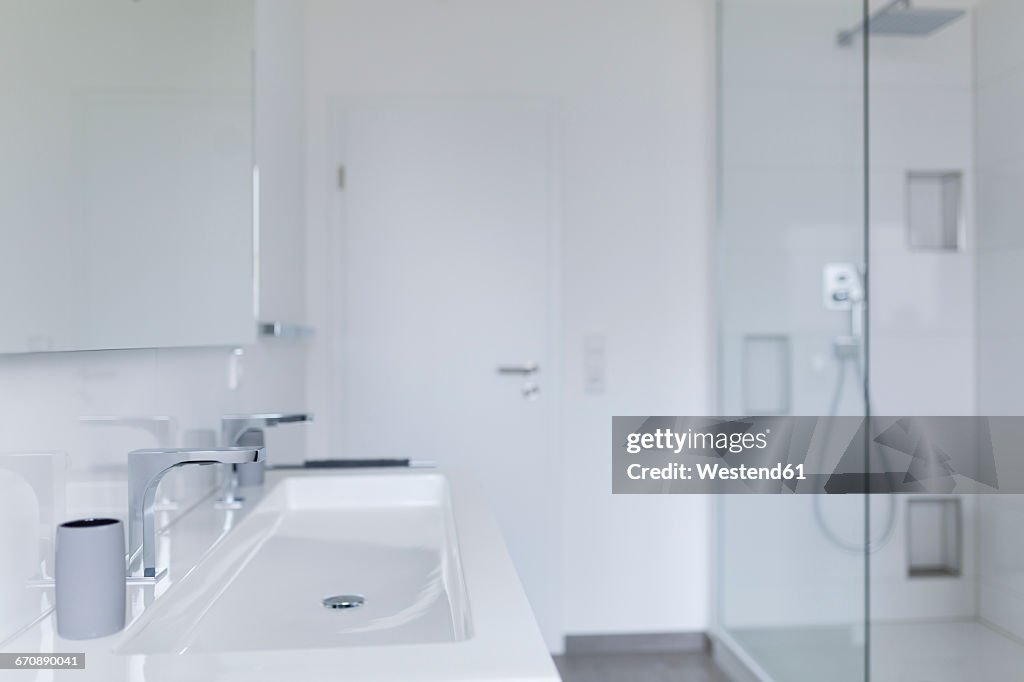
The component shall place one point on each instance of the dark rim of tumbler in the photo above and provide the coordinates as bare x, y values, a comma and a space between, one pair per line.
88, 523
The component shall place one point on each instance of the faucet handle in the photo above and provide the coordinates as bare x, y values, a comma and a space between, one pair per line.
247, 429
234, 426
290, 418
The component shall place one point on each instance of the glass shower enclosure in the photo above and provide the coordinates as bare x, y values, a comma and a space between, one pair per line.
871, 194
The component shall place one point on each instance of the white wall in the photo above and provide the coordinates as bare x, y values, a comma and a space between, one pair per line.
632, 82
43, 396
999, 107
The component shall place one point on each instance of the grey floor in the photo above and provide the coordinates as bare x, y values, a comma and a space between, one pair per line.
688, 667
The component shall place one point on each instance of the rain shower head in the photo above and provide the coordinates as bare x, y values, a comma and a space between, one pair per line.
901, 18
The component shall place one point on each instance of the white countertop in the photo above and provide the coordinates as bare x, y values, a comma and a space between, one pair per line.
505, 643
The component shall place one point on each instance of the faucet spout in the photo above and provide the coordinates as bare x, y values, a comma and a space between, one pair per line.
145, 469
234, 426
248, 429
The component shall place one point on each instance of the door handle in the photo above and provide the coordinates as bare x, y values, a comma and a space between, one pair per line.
519, 370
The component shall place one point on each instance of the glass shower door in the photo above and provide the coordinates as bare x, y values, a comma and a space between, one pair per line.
790, 257
885, 587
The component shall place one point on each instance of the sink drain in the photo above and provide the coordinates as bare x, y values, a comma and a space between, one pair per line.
343, 601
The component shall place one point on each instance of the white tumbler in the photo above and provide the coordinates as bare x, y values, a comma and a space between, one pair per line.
90, 578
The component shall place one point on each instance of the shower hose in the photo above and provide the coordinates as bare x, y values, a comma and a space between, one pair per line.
872, 546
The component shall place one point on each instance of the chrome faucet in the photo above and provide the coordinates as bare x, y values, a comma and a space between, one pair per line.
238, 430
145, 469
234, 426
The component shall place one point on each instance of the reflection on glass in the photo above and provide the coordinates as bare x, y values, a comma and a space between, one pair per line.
32, 503
789, 262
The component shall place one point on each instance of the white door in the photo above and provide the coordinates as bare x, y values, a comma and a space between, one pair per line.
444, 245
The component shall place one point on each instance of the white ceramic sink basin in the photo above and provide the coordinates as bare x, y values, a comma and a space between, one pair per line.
389, 539
443, 602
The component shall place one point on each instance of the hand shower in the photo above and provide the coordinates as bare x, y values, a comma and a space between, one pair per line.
843, 290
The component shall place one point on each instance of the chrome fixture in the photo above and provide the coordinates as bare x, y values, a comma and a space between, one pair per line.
525, 370
285, 330
247, 430
145, 469
343, 601
843, 289
234, 426
844, 286
901, 18
530, 389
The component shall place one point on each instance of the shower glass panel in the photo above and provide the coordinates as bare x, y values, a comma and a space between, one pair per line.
790, 258
885, 588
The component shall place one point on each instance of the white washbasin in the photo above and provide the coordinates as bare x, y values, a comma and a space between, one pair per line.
388, 539
442, 599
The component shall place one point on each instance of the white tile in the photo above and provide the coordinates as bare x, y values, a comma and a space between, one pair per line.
997, 38
912, 377
999, 109
914, 127
945, 58
787, 127
789, 43
1000, 306
1000, 205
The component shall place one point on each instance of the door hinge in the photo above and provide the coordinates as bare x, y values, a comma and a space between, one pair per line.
341, 177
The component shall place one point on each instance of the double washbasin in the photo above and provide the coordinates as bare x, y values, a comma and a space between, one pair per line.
374, 575
387, 542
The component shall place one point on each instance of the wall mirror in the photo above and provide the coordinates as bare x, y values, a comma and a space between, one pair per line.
127, 185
